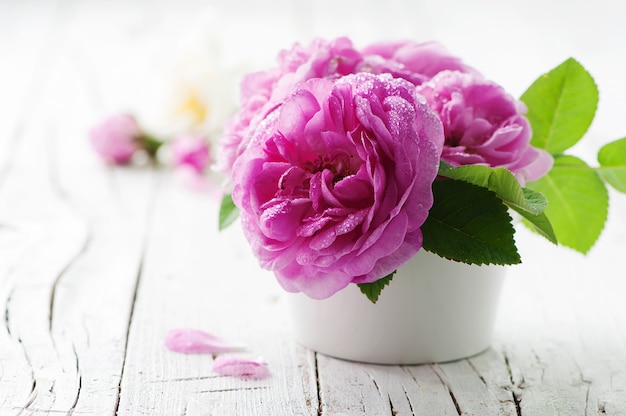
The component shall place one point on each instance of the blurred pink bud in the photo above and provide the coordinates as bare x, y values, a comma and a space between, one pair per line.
191, 151
116, 138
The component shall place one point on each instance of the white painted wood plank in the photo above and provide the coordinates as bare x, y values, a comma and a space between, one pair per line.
52, 239
564, 336
347, 388
363, 389
69, 309
30, 266
479, 386
69, 303
78, 232
428, 394
195, 277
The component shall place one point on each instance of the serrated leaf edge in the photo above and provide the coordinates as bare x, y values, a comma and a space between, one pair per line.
373, 290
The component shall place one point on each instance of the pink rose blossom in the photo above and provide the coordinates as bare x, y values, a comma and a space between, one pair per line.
195, 341
336, 182
240, 367
116, 138
484, 125
262, 92
413, 61
191, 151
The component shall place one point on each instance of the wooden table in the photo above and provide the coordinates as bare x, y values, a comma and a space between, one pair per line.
98, 263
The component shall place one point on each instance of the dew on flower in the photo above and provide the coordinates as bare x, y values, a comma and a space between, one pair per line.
310, 248
350, 222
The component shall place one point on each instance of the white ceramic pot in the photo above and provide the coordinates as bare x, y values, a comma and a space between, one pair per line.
434, 310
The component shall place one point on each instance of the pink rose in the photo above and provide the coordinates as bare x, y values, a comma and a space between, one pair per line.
116, 138
413, 61
190, 151
335, 184
262, 92
484, 125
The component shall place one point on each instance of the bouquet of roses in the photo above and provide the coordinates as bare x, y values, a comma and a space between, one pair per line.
344, 162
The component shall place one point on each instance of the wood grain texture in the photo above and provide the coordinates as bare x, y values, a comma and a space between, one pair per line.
180, 286
77, 231
98, 263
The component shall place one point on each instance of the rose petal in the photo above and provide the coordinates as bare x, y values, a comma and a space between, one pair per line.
195, 341
240, 367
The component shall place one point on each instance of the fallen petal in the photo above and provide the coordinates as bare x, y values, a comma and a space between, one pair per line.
240, 367
195, 341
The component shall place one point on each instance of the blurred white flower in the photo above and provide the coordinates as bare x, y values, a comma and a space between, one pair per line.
200, 79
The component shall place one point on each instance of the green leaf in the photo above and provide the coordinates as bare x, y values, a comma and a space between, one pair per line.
578, 202
469, 223
503, 183
528, 203
150, 144
540, 224
612, 159
506, 186
228, 212
561, 106
373, 290
476, 174
536, 200
444, 167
